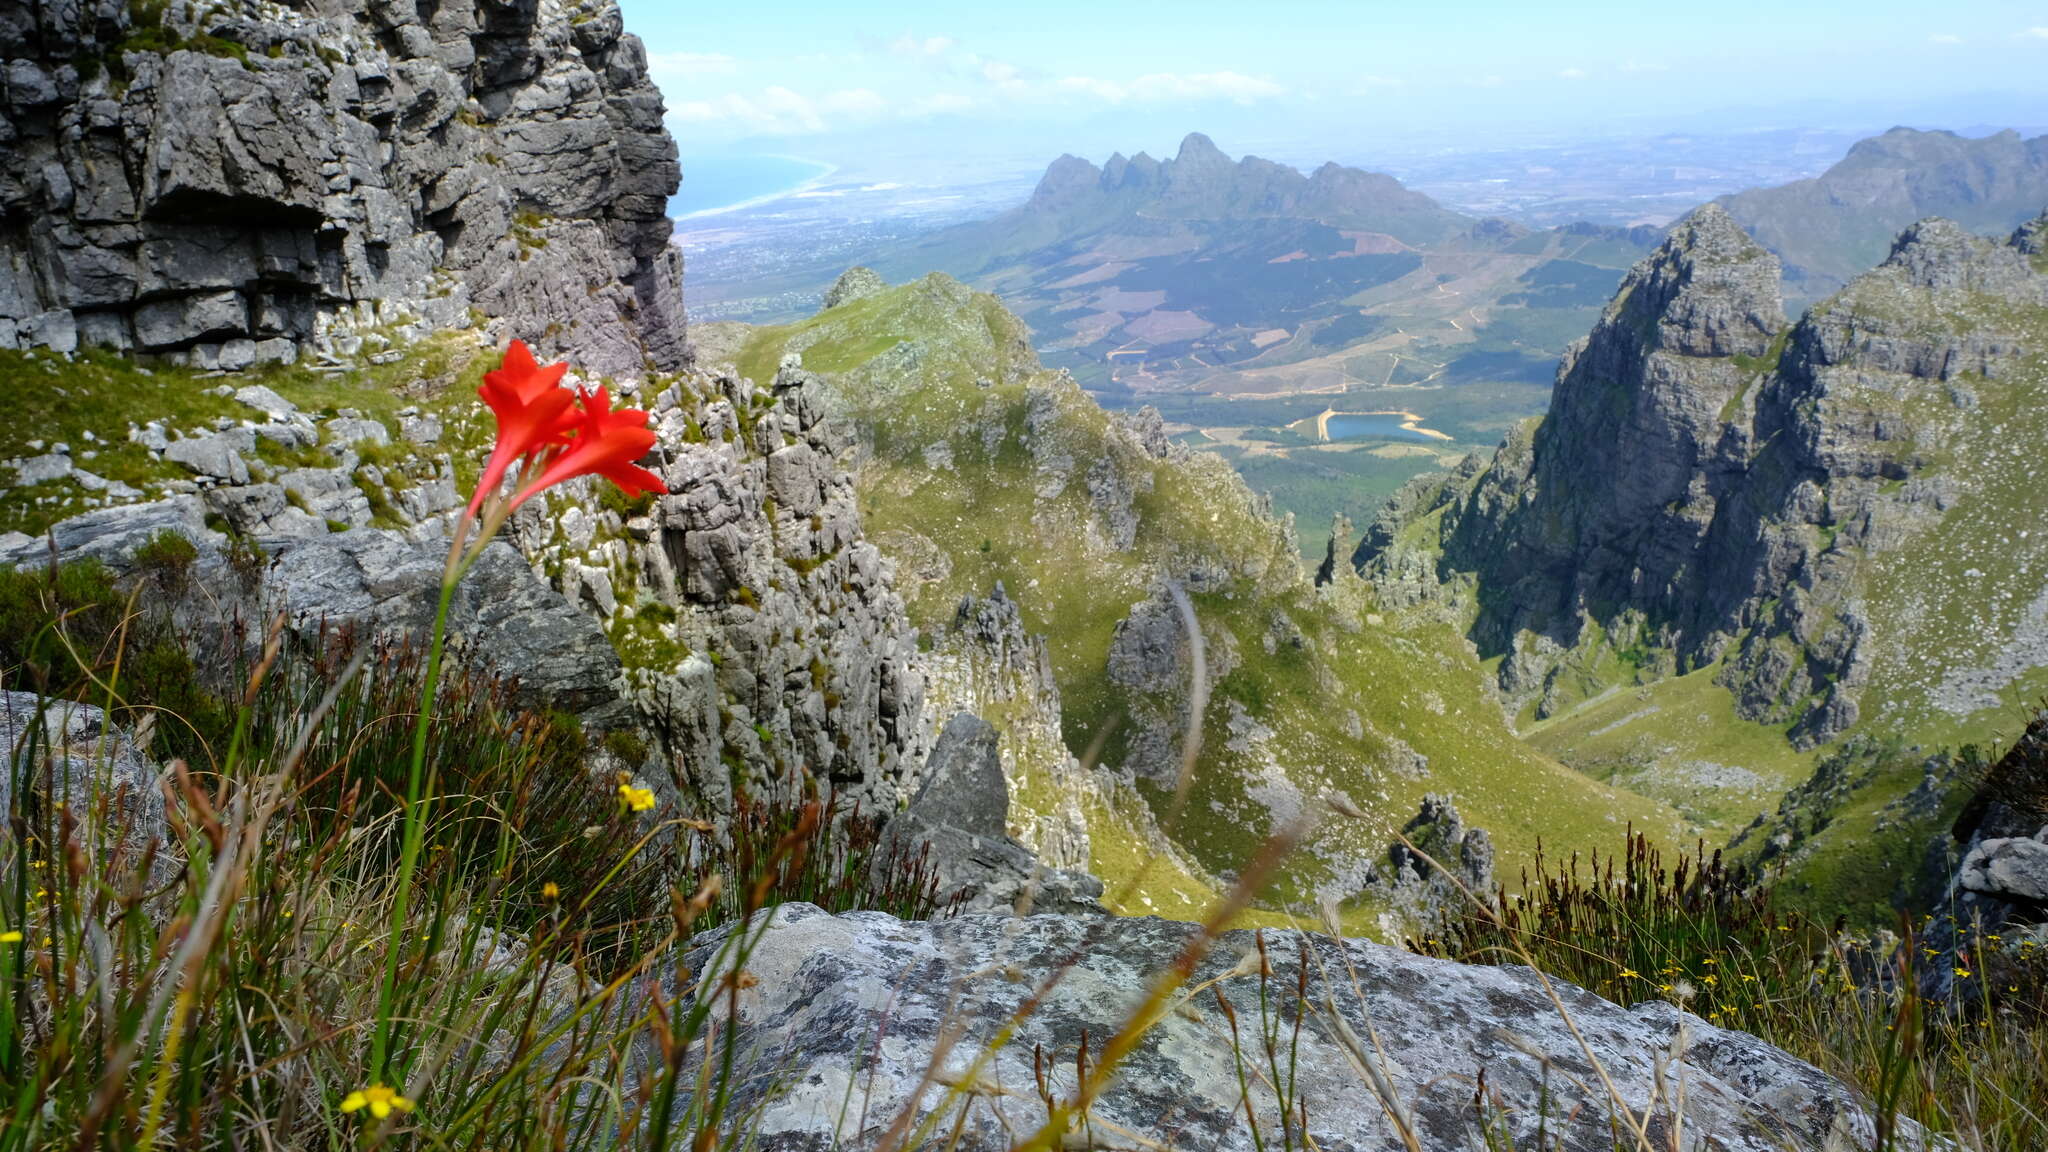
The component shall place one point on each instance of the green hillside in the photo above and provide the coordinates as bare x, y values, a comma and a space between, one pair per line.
978, 467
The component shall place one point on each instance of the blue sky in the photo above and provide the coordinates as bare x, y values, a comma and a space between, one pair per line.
848, 81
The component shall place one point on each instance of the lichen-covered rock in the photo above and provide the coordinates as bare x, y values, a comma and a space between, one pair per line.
845, 1013
268, 176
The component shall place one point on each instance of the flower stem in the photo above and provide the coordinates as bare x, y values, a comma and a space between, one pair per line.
415, 815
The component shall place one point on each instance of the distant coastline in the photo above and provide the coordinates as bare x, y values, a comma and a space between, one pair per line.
741, 185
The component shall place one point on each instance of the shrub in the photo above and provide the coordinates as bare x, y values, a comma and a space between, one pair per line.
63, 628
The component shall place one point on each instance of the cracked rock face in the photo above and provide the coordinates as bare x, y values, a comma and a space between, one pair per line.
1713, 483
292, 174
845, 1012
962, 810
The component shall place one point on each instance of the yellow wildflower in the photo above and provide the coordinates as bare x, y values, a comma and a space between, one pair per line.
549, 891
1961, 971
10, 937
381, 1101
638, 799
1629, 974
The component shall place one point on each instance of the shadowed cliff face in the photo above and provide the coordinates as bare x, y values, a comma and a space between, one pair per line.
242, 183
1712, 485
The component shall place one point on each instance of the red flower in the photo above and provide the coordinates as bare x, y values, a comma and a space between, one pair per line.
533, 411
603, 442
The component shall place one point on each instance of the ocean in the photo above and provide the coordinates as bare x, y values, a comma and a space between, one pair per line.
717, 183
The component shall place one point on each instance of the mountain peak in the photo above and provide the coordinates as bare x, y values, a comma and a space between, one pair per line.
1197, 149
1066, 179
1711, 290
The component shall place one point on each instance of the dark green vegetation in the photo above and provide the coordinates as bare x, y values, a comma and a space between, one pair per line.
1634, 928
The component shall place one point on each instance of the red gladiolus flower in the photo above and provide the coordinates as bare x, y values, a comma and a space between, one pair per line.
533, 412
603, 442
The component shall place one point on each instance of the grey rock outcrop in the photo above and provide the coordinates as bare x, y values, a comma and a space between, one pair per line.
113, 534
1417, 895
788, 650
825, 988
504, 619
79, 758
988, 665
1714, 485
1993, 906
855, 283
962, 810
245, 179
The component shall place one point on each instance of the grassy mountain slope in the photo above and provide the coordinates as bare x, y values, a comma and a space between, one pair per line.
1876, 543
983, 467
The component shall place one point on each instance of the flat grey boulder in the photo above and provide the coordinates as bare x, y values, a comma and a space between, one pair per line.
211, 457
503, 617
113, 534
2014, 868
843, 1015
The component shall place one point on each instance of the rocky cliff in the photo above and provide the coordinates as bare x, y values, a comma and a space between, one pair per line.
1834, 512
229, 183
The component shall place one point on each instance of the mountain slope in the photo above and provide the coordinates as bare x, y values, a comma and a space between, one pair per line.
983, 468
1834, 226
1821, 532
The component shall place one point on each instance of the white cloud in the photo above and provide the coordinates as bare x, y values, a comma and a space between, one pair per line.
858, 103
1944, 38
1002, 75
926, 46
2034, 33
939, 103
1573, 74
1159, 87
777, 111
684, 65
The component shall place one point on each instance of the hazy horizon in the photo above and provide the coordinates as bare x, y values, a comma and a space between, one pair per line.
927, 90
